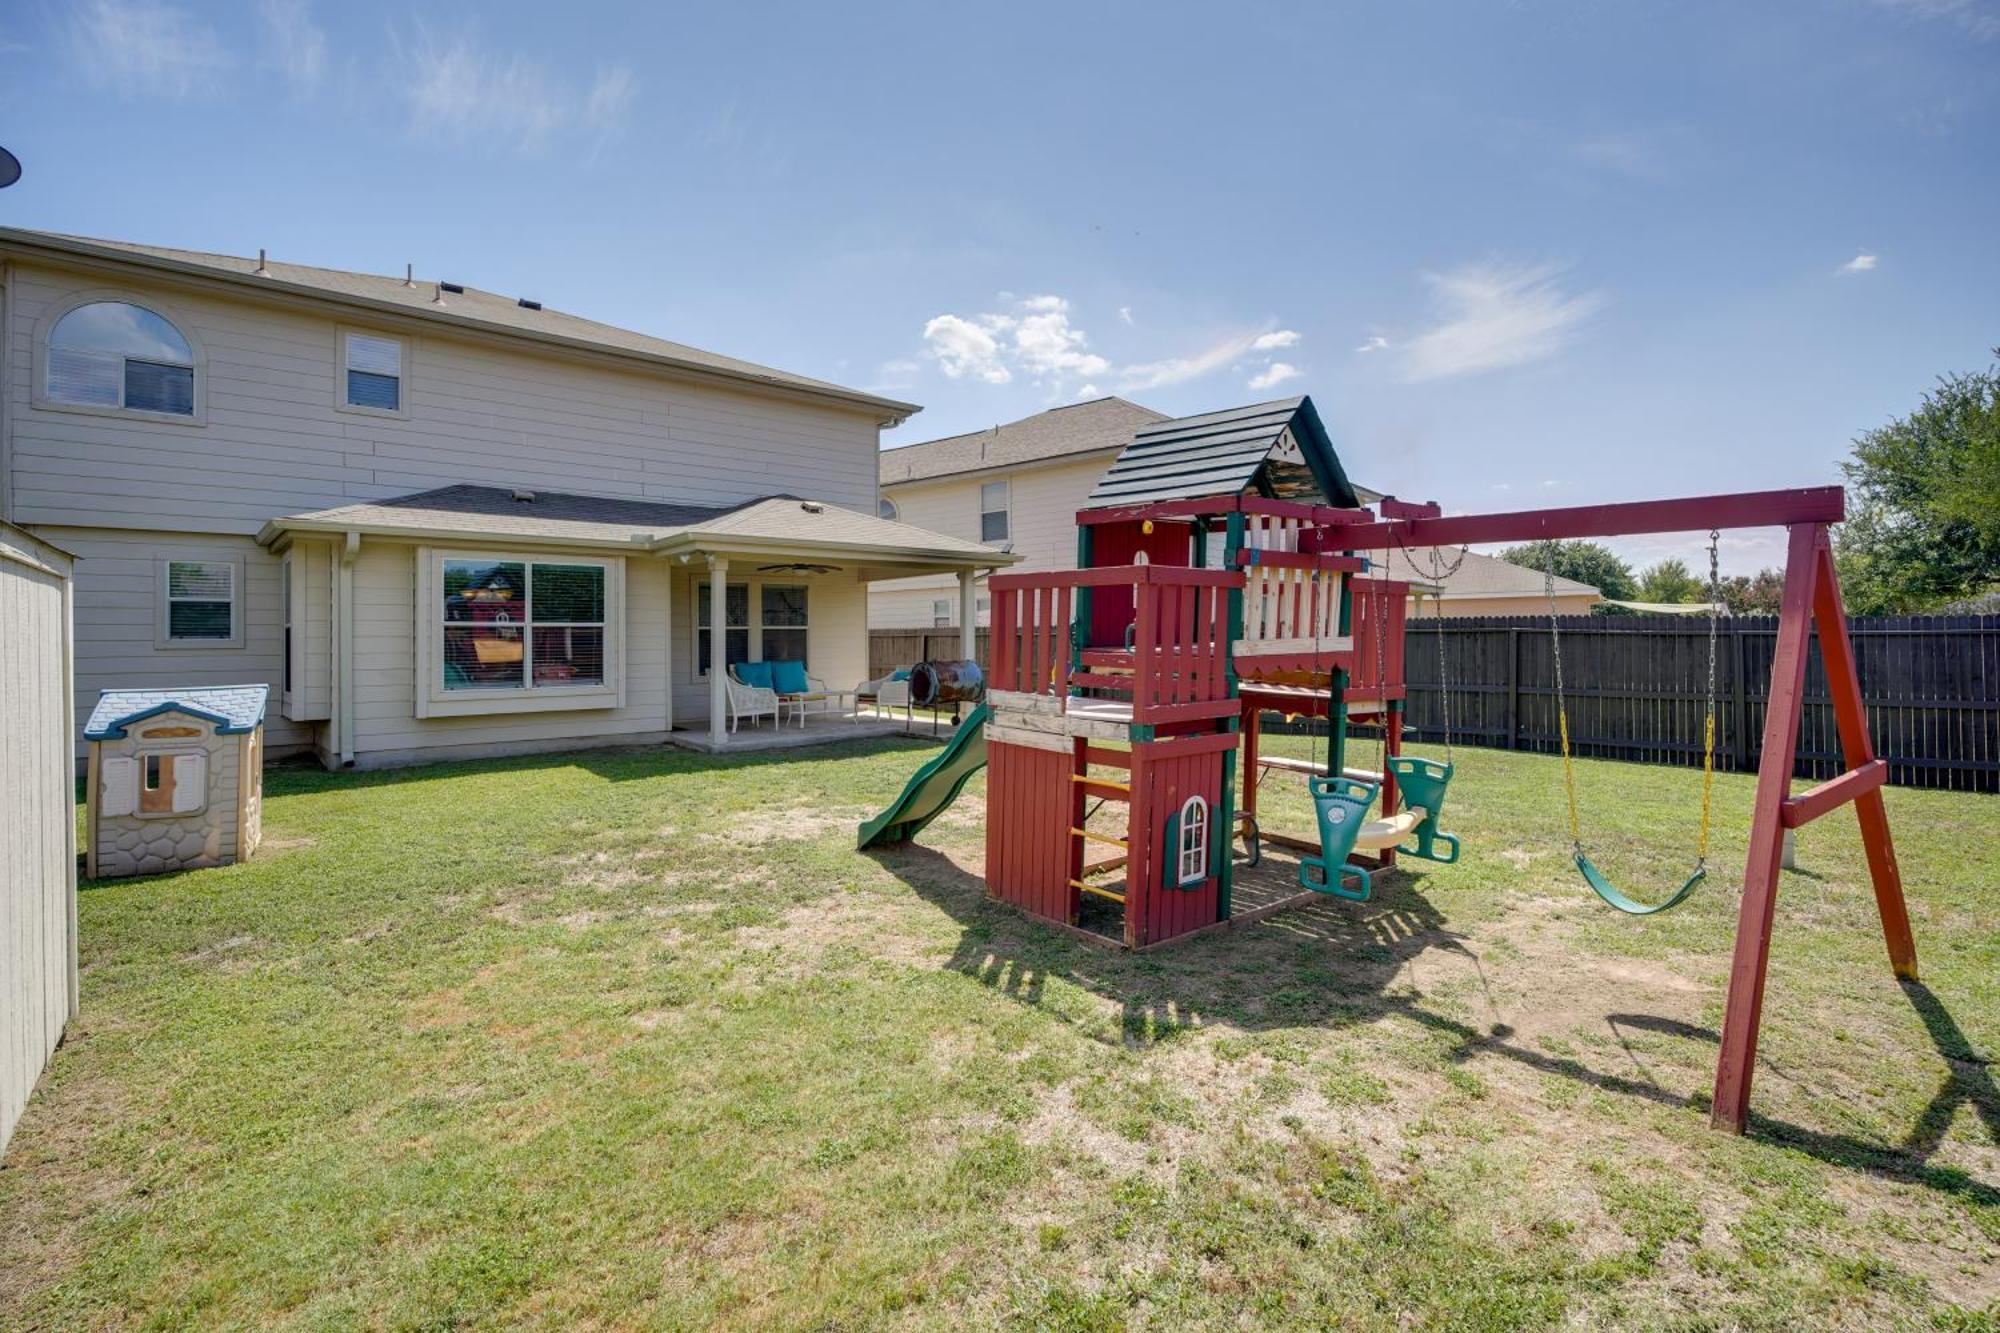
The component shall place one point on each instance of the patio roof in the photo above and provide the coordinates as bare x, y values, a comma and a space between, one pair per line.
774, 525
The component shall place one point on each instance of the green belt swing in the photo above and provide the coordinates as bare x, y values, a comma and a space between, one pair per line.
1592, 876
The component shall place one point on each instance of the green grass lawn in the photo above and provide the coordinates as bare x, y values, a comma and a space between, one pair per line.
637, 1039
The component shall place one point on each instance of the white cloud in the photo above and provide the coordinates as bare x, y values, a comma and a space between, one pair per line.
1375, 342
962, 347
1181, 369
1861, 263
292, 43
1272, 341
1088, 391
1049, 346
461, 93
1125, 313
1495, 316
1978, 18
147, 48
1275, 374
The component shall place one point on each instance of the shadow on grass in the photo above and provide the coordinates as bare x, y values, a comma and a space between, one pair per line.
1333, 964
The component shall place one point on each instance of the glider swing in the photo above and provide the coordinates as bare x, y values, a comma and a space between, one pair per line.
1592, 876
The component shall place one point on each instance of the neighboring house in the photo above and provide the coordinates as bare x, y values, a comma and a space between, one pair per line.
436, 521
1482, 585
1015, 487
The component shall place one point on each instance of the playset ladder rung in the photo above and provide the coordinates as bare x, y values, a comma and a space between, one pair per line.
1109, 790
1097, 889
1100, 837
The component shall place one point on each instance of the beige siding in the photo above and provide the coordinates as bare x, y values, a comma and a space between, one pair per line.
271, 442
836, 634
37, 819
311, 696
387, 729
118, 618
1043, 500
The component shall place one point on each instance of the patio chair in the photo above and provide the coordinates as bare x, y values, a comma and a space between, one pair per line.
891, 691
800, 692
747, 699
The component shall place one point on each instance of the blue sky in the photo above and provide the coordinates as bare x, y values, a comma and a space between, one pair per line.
1520, 255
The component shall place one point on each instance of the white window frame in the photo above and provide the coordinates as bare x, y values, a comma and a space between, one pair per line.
941, 613
40, 398
342, 333
163, 622
434, 700
1191, 855
1006, 510
752, 626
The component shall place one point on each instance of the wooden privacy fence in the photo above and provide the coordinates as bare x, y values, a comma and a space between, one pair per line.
1637, 688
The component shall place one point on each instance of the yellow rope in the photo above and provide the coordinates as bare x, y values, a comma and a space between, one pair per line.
1569, 775
1707, 782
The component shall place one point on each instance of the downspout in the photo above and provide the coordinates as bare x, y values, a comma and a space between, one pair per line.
343, 652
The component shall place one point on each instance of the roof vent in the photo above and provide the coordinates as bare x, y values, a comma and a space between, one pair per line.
524, 497
812, 506
526, 304
456, 288
263, 270
409, 275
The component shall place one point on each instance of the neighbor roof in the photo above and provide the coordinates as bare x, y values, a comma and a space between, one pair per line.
234, 709
1230, 452
470, 308
1098, 426
1476, 576
557, 518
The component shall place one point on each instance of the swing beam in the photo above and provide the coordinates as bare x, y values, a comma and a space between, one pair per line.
1811, 603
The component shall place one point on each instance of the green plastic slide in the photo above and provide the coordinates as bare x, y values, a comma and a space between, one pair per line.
933, 787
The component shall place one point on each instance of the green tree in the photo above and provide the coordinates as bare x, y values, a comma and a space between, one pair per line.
1586, 562
1754, 594
1923, 527
1669, 581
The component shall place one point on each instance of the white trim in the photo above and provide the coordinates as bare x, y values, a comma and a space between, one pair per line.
1193, 843
38, 387
434, 700
406, 349
163, 638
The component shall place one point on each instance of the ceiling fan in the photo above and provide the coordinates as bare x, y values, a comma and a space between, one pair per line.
797, 569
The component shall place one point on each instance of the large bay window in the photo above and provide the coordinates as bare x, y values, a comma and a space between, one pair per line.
506, 631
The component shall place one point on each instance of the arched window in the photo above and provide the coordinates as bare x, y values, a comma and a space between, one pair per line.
886, 508
115, 354
1192, 862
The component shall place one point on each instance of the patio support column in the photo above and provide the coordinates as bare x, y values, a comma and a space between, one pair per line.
968, 626
718, 649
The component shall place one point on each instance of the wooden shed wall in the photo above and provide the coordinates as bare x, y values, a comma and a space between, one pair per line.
37, 816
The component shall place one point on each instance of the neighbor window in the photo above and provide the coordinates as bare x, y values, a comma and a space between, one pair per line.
886, 508
372, 372
736, 624
519, 624
200, 601
784, 623
940, 613
1193, 857
993, 512
118, 355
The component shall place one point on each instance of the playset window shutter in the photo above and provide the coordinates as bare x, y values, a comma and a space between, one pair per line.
119, 778
190, 782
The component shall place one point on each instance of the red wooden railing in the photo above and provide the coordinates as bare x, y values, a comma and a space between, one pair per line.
1177, 668
1380, 607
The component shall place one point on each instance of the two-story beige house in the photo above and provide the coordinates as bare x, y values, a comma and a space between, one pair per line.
436, 521
1015, 488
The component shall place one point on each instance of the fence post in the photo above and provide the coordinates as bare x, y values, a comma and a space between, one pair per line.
1513, 684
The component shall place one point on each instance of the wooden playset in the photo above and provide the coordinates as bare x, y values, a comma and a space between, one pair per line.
1226, 569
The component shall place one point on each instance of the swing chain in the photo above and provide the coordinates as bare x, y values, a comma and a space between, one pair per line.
1562, 707
1708, 726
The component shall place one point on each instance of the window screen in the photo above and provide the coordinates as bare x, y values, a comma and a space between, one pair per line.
201, 600
374, 372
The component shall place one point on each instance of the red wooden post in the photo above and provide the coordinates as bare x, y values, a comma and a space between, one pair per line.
1843, 682
1744, 1009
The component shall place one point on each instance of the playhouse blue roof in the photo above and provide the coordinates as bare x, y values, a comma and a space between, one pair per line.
233, 708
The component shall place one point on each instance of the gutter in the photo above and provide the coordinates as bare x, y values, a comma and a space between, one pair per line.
890, 411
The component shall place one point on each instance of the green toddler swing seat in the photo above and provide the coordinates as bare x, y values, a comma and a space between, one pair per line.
1341, 806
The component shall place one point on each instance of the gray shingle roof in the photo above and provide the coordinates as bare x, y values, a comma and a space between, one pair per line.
1239, 450
1102, 424
1478, 576
494, 512
233, 708
487, 310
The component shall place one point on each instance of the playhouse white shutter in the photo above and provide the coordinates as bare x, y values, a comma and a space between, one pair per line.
121, 787
190, 782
